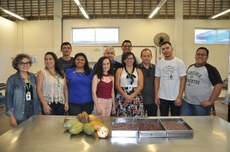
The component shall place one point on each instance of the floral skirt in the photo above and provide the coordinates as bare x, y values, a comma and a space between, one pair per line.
129, 108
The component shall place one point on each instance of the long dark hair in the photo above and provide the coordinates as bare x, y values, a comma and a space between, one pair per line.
56, 65
126, 55
99, 67
86, 66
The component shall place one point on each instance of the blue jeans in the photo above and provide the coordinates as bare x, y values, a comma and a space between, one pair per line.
194, 110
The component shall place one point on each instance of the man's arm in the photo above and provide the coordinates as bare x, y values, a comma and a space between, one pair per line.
215, 94
156, 87
181, 91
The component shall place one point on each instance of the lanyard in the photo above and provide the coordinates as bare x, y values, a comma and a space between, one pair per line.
27, 84
28, 93
57, 77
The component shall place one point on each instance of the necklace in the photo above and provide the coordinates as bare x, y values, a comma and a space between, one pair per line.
56, 76
130, 76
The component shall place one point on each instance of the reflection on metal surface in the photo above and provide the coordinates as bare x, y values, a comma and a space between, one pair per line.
86, 145
220, 134
124, 141
16, 134
38, 134
14, 139
152, 148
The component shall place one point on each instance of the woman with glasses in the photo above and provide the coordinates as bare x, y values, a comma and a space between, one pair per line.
21, 97
51, 86
129, 83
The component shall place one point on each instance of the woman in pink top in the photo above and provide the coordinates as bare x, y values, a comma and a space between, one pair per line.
103, 88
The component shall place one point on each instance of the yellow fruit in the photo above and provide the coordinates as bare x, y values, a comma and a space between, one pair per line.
76, 128
92, 117
83, 117
88, 129
96, 124
103, 132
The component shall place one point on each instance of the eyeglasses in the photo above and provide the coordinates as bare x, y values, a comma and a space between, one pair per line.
129, 58
201, 55
127, 46
24, 63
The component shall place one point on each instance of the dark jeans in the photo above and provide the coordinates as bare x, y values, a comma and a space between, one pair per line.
75, 109
57, 109
151, 109
168, 105
29, 111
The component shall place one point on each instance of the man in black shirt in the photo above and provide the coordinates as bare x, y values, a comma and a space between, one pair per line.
66, 61
147, 92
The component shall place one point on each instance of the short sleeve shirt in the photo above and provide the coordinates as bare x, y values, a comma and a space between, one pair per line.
199, 82
170, 72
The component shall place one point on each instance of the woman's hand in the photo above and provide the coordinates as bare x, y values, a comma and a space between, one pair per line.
47, 109
13, 121
128, 98
98, 110
113, 110
66, 106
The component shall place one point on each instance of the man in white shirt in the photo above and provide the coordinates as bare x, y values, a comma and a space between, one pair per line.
169, 81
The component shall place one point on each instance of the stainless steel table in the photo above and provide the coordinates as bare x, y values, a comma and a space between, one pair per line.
46, 134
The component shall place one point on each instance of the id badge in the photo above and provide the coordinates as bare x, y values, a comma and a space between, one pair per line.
28, 96
130, 88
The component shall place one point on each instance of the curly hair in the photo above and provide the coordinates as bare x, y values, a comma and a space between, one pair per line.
18, 59
99, 67
57, 67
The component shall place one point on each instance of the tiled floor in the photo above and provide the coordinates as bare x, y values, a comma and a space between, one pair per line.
221, 111
4, 121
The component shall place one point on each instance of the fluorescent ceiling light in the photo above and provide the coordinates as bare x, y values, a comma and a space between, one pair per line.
157, 8
220, 14
81, 9
12, 14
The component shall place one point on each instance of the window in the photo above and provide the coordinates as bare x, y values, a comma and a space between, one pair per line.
95, 35
212, 36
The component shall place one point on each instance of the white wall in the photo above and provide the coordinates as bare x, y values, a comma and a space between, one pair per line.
218, 54
38, 37
140, 32
8, 47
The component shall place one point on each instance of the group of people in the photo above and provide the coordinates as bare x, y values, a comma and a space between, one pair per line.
123, 86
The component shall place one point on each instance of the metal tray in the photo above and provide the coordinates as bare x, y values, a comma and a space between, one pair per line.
154, 129
122, 130
177, 127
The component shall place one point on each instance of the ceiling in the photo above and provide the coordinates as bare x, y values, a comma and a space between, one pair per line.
114, 9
